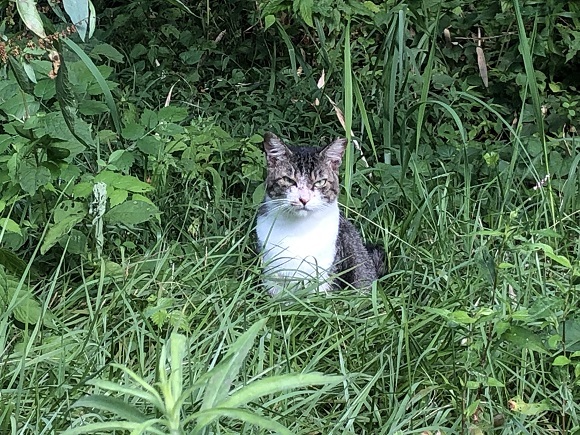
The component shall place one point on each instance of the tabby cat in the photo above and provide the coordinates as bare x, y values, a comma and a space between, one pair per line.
302, 234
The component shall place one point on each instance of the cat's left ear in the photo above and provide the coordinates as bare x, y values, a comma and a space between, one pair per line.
275, 148
334, 152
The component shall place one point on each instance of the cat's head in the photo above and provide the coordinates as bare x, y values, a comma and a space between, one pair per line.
301, 180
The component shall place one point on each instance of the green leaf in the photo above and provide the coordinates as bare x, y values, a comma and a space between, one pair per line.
221, 376
461, 317
83, 190
108, 427
524, 338
32, 178
242, 415
107, 51
570, 331
92, 107
68, 208
493, 382
268, 21
276, 384
517, 404
30, 16
113, 405
149, 145
100, 80
306, 11
549, 252
58, 230
125, 182
75, 243
561, 361
133, 131
21, 77
78, 11
12, 262
9, 225
118, 196
132, 213
67, 100
19, 299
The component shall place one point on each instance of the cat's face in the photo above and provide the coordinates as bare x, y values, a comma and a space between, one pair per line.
301, 180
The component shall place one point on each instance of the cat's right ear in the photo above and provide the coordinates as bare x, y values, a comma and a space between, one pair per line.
274, 147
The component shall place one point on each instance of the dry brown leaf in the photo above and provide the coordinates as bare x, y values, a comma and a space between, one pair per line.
168, 98
321, 80
55, 59
482, 65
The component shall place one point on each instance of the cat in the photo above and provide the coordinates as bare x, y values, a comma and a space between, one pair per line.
301, 232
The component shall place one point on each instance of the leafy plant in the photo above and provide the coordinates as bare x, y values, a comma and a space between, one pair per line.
213, 388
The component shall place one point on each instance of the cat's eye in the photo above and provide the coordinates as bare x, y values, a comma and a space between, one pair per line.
288, 180
320, 183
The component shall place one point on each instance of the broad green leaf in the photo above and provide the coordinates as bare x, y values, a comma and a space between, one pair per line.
83, 190
20, 106
133, 131
75, 242
268, 21
26, 308
9, 225
517, 404
524, 338
68, 208
125, 182
151, 397
570, 331
493, 382
92, 107
58, 230
549, 252
132, 213
306, 11
107, 51
561, 361
67, 101
113, 405
32, 178
461, 317
372, 7
12, 262
117, 196
150, 145
30, 16
29, 72
78, 11
21, 77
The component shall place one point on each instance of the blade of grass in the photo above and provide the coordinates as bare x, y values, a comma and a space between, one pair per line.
533, 87
108, 96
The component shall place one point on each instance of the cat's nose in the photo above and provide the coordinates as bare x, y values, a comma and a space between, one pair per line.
303, 200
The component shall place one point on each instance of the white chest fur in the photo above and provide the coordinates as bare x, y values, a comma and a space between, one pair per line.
298, 248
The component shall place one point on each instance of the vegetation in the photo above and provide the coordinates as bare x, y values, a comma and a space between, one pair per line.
130, 175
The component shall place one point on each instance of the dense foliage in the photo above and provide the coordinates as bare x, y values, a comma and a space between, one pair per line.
130, 175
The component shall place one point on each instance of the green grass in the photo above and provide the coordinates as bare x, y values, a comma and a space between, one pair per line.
460, 330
